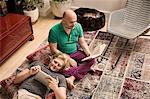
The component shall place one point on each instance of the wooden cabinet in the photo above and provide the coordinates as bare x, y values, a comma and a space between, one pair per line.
15, 30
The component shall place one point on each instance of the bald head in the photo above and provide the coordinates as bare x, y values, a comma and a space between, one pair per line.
69, 19
69, 13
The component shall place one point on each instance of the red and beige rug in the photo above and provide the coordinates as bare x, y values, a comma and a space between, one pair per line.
130, 79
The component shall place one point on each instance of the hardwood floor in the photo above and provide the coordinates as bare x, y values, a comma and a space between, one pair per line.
41, 30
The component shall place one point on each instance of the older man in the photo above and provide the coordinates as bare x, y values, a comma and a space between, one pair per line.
64, 37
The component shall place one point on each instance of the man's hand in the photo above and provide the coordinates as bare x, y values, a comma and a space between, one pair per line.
34, 70
84, 46
87, 58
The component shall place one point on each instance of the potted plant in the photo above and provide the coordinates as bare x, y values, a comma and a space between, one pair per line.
59, 6
30, 8
3, 8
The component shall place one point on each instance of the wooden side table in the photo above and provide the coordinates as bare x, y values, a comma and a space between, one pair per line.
15, 30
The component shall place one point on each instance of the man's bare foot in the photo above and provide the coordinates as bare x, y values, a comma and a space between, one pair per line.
70, 82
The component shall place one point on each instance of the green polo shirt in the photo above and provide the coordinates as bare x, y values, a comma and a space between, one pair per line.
66, 44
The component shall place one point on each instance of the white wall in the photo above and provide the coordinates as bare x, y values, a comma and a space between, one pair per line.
104, 5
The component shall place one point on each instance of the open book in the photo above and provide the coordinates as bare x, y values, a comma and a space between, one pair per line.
96, 52
41, 77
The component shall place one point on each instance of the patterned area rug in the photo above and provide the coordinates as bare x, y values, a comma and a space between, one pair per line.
130, 79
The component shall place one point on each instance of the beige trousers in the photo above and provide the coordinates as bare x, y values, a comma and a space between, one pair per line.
24, 94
